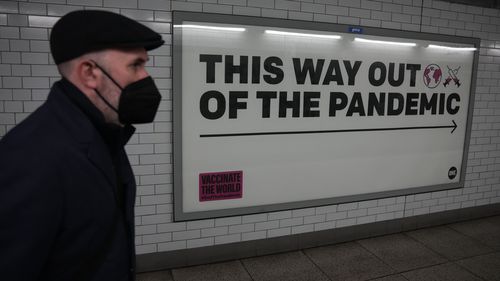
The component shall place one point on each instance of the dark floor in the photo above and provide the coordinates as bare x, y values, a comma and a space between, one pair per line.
460, 251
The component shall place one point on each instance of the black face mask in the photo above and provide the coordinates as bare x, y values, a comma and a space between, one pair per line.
138, 102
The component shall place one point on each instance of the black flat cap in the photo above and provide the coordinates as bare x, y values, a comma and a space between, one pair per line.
85, 31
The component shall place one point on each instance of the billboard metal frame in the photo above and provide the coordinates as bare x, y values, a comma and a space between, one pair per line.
179, 17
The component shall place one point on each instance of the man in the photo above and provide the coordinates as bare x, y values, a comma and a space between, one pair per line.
67, 190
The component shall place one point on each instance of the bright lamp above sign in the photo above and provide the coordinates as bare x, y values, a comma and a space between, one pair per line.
303, 34
221, 28
452, 48
383, 42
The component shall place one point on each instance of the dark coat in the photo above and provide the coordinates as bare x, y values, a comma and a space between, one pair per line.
59, 213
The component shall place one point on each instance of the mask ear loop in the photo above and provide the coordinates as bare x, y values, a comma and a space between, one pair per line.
99, 94
106, 73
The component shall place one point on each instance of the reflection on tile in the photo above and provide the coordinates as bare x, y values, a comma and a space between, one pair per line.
485, 266
395, 277
226, 271
293, 266
155, 276
449, 243
42, 21
348, 261
485, 230
401, 252
443, 272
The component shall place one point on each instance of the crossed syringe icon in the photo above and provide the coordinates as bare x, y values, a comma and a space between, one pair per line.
452, 76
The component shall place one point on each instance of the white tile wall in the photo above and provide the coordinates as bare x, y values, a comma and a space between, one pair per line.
27, 72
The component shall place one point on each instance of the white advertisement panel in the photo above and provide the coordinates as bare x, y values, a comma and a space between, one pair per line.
270, 115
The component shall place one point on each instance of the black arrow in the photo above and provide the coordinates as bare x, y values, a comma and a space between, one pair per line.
454, 126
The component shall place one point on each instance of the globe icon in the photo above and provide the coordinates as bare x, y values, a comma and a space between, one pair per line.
432, 76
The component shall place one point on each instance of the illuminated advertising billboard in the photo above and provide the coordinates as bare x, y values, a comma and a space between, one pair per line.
278, 114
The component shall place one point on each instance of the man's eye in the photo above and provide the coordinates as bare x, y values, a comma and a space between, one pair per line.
137, 65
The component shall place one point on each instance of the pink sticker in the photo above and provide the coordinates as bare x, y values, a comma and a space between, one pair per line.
221, 185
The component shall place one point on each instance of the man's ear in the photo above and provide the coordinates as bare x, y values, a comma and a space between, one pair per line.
87, 74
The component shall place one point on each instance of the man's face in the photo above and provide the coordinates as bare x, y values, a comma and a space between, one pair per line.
125, 67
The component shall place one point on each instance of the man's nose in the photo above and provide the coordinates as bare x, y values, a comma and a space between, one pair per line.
143, 74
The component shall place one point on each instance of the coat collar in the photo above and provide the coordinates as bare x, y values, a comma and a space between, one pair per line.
86, 124
112, 134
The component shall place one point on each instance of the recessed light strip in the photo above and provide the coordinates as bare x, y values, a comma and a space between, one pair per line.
452, 48
238, 29
409, 44
303, 34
